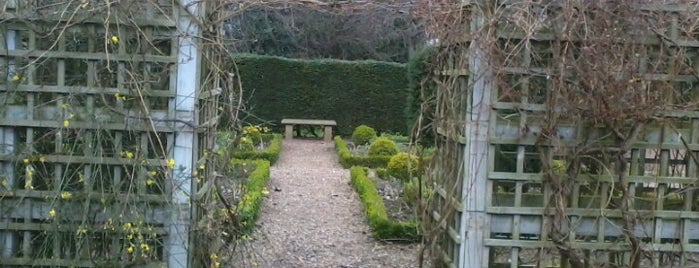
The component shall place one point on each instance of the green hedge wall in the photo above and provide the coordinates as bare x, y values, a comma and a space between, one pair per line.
350, 92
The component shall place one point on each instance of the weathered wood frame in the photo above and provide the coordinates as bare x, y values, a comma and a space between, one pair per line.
65, 109
486, 219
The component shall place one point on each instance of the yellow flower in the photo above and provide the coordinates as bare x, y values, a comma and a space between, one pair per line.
85, 5
145, 247
26, 160
171, 163
16, 78
129, 249
66, 123
265, 192
153, 173
202, 166
65, 106
127, 226
81, 230
129, 155
42, 159
150, 182
72, 116
66, 195
217, 264
115, 39
5, 183
214, 256
52, 213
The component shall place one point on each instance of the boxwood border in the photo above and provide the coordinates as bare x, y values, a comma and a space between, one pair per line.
383, 227
271, 153
251, 203
348, 160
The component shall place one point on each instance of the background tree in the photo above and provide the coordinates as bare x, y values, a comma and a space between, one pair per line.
348, 30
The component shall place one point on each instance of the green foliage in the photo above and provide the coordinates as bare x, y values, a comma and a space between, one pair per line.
383, 146
254, 133
421, 92
383, 227
382, 173
396, 137
246, 144
348, 160
351, 93
363, 134
404, 166
256, 189
271, 153
411, 191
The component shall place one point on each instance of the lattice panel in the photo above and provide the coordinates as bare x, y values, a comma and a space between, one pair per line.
87, 132
661, 174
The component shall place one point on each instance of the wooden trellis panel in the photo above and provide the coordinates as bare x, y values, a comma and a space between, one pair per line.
662, 173
90, 116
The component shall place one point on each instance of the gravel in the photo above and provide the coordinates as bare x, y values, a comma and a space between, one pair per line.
313, 218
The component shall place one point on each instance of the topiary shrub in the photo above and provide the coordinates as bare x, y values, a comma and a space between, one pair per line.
402, 165
363, 135
383, 146
382, 173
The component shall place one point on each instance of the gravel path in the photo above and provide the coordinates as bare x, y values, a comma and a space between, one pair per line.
314, 218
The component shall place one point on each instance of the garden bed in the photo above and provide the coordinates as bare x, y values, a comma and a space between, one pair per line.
268, 149
388, 220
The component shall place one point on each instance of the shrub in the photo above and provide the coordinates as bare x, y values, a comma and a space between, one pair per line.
411, 191
403, 165
363, 135
383, 146
254, 133
348, 160
382, 173
250, 204
271, 153
245, 144
375, 209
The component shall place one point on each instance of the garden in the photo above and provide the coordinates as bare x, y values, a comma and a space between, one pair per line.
386, 171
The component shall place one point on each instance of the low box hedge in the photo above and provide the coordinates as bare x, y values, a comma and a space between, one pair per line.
383, 227
271, 153
256, 189
348, 160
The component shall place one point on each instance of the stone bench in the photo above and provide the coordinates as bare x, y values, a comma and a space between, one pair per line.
326, 124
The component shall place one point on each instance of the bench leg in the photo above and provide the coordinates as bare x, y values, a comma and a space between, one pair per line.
327, 136
288, 132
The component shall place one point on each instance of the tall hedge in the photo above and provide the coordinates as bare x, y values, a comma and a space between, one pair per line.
421, 89
350, 92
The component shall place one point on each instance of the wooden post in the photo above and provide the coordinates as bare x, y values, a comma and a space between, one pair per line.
8, 239
178, 241
474, 228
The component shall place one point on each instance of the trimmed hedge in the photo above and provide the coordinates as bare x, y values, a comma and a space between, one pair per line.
383, 227
249, 206
271, 153
421, 89
348, 160
350, 92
